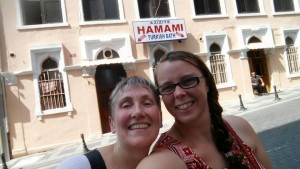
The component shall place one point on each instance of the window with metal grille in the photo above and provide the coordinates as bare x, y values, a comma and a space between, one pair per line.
217, 64
292, 56
247, 6
204, 7
51, 87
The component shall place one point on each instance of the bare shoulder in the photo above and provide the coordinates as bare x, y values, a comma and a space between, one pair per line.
239, 124
245, 131
162, 159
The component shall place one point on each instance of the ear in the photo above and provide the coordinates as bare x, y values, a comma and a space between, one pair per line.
112, 125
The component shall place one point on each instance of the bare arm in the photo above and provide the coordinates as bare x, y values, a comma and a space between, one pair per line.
249, 137
262, 81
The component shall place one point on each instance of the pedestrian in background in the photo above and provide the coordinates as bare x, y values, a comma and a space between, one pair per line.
200, 137
257, 84
135, 119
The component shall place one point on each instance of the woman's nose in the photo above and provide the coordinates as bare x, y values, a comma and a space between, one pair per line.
178, 92
138, 112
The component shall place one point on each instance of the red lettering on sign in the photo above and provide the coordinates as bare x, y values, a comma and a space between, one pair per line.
149, 29
177, 27
139, 29
167, 28
159, 29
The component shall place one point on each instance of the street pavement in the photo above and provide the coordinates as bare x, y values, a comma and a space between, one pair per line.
252, 108
278, 127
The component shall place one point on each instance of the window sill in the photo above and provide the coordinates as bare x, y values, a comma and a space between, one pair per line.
286, 13
67, 109
41, 26
209, 16
294, 75
225, 85
250, 15
152, 19
82, 23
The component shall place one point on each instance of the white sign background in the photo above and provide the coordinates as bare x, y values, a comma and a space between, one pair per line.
159, 30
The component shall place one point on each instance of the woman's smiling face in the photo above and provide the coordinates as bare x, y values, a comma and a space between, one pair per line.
136, 118
184, 104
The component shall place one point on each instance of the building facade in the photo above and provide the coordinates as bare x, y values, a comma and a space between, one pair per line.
60, 59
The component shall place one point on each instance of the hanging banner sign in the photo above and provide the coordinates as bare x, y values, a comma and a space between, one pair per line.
159, 30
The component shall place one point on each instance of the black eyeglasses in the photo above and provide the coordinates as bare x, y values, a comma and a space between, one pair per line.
184, 84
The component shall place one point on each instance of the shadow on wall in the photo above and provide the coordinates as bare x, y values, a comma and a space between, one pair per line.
17, 110
282, 145
68, 56
277, 65
3, 51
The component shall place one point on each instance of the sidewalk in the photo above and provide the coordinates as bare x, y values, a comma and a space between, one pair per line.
258, 102
50, 159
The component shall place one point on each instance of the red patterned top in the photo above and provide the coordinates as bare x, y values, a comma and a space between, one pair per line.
193, 161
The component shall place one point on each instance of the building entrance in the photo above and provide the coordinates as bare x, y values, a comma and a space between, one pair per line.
258, 63
106, 77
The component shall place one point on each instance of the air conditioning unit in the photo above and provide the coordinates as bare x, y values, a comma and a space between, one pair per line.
107, 53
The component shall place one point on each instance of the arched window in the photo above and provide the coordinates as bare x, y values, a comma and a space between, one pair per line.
107, 53
289, 41
292, 56
254, 39
217, 64
51, 86
214, 48
157, 55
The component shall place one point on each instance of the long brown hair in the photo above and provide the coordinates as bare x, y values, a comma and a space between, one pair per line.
222, 138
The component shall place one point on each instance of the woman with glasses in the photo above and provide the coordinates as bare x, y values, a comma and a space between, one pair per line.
135, 119
200, 136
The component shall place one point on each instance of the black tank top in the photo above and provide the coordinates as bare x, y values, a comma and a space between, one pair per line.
95, 159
